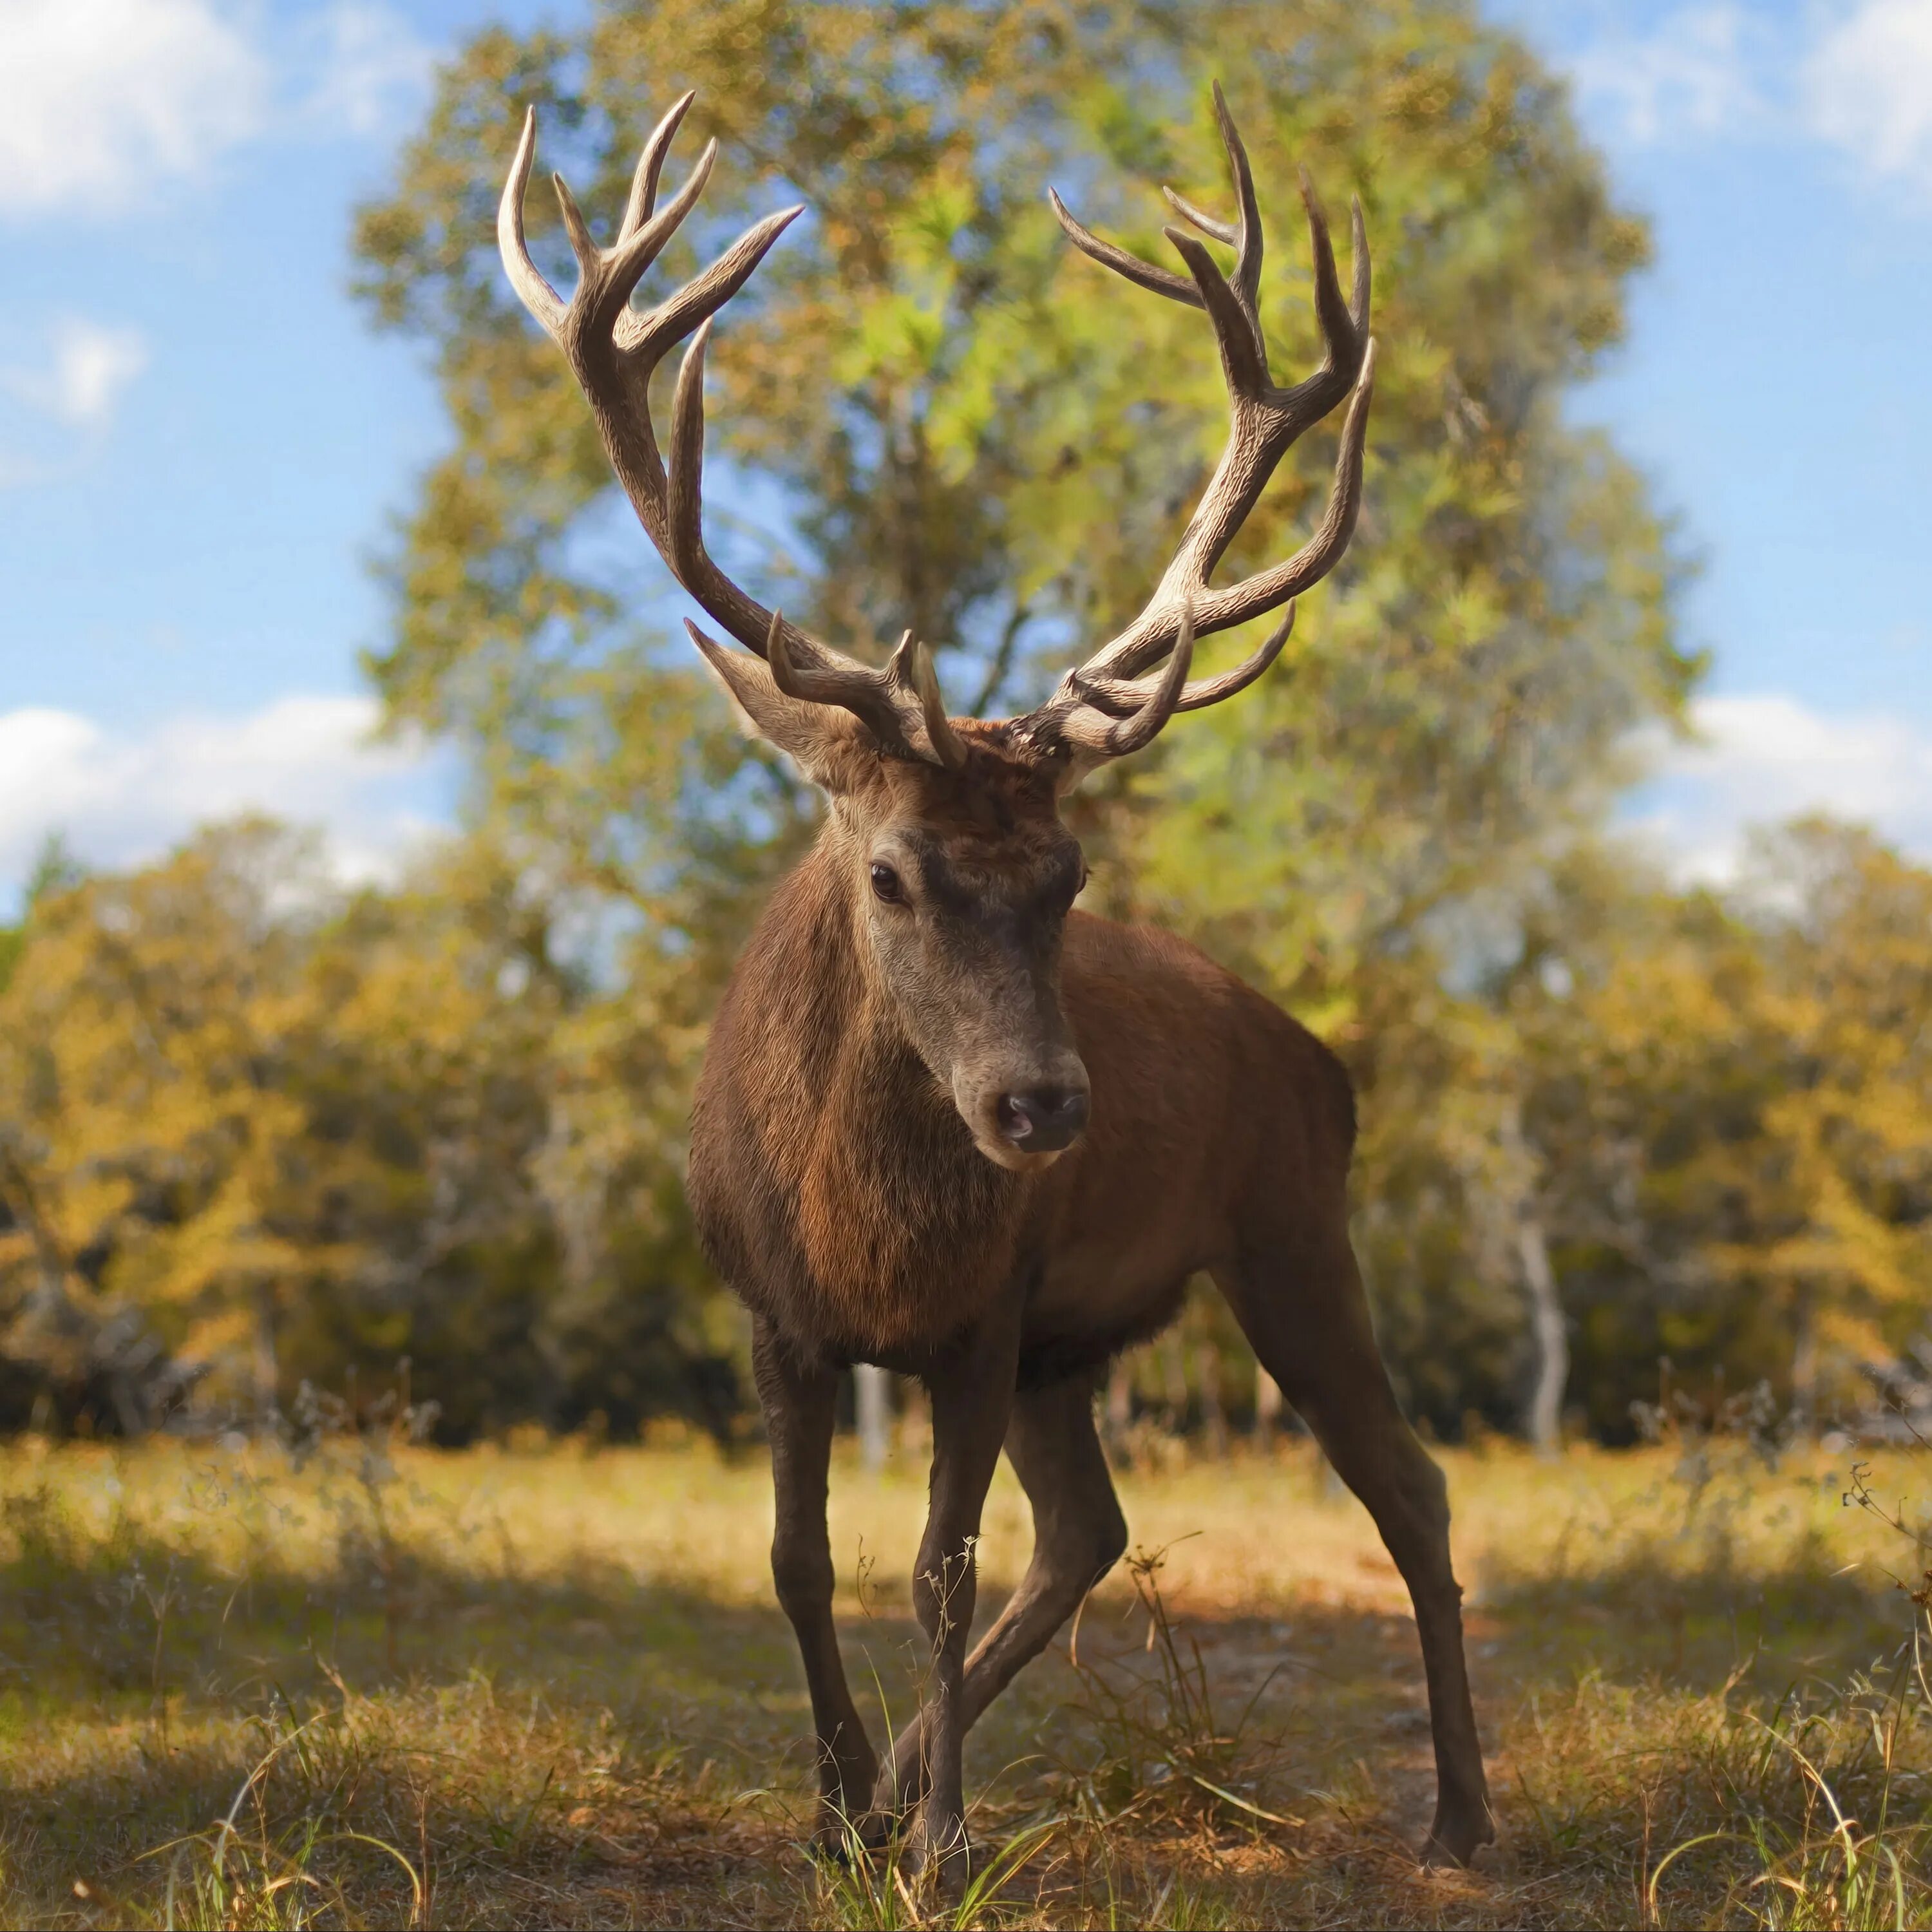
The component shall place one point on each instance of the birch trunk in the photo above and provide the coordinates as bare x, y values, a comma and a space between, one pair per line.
872, 1389
1269, 1402
1544, 1422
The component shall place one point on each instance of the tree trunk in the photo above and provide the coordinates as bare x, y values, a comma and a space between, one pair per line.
1544, 1421
1269, 1402
873, 1389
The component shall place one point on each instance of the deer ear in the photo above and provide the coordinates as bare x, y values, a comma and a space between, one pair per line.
825, 743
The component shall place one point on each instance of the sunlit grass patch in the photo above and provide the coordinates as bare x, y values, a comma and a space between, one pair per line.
539, 1684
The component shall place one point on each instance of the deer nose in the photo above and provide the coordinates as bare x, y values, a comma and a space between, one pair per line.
1044, 1120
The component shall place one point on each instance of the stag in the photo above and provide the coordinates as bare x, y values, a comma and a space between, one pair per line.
949, 1124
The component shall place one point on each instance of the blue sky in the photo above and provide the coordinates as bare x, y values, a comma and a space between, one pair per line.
201, 441
1775, 385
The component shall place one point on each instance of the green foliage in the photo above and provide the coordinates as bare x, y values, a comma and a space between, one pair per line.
300, 1131
941, 417
930, 412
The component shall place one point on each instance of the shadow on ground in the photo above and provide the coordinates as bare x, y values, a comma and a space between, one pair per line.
602, 1750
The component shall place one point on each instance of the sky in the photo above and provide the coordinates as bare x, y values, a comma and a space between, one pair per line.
202, 444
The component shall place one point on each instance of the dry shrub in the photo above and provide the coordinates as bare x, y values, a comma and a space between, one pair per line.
1161, 1746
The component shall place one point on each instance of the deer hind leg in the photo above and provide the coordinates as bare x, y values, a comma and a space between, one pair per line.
1302, 1306
1078, 1535
800, 1405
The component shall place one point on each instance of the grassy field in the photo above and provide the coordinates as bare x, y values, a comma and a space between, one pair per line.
547, 1685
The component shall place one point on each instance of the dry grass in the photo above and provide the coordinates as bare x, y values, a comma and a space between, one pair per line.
543, 1685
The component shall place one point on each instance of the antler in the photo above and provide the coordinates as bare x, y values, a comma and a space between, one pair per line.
1106, 695
613, 349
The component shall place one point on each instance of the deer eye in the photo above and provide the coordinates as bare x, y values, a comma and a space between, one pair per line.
886, 884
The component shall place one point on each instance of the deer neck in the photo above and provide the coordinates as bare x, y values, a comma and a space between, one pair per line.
901, 1222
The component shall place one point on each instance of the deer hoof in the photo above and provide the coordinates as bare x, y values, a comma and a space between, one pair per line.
940, 1852
1457, 1832
847, 1837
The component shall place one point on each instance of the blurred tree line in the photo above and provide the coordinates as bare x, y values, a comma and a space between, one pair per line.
298, 1130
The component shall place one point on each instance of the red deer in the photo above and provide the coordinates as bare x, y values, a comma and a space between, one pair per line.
949, 1125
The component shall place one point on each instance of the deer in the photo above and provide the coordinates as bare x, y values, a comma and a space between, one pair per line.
949, 1124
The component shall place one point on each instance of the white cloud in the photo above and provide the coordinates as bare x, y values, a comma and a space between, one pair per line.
1694, 72
1867, 87
89, 367
1766, 758
119, 799
102, 100
66, 393
1855, 75
92, 365
363, 67
98, 98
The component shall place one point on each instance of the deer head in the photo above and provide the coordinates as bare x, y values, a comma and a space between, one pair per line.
947, 830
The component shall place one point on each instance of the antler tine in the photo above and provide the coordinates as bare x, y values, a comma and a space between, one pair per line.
684, 484
1248, 233
1237, 330
879, 699
1093, 733
945, 741
682, 541
1264, 420
613, 349
887, 702
638, 247
1226, 233
1160, 281
1121, 697
590, 257
1244, 236
1358, 250
650, 166
911, 670
1339, 329
706, 293
535, 293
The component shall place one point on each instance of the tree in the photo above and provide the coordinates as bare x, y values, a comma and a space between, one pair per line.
1731, 1104
950, 423
931, 412
299, 1133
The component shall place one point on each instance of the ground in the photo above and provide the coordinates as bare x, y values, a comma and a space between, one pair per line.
545, 1683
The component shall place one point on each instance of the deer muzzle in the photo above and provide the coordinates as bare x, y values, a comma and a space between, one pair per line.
1026, 1116
1047, 1119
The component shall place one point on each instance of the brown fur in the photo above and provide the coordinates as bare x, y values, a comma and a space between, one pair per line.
843, 1188
841, 1192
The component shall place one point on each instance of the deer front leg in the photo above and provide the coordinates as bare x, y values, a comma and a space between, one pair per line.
800, 1401
972, 1398
1078, 1535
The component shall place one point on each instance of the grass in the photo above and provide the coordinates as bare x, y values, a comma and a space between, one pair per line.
543, 1683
